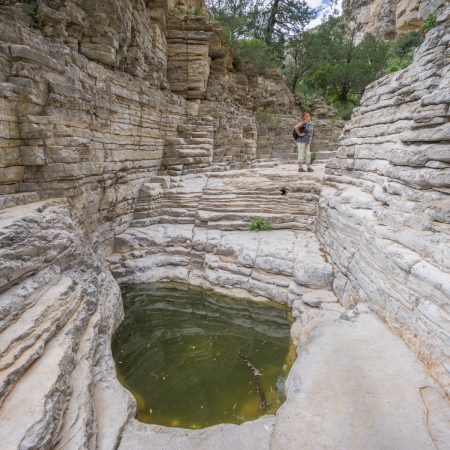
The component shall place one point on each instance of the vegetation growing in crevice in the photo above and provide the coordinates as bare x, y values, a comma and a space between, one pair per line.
260, 224
197, 10
402, 51
268, 117
428, 23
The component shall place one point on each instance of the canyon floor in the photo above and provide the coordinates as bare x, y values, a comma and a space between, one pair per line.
355, 384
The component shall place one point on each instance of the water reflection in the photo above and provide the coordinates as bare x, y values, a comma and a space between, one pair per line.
180, 352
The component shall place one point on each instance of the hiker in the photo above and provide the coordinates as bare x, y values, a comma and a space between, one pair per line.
303, 135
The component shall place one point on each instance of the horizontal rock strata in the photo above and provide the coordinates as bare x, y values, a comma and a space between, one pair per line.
385, 218
116, 156
95, 98
196, 229
342, 395
59, 306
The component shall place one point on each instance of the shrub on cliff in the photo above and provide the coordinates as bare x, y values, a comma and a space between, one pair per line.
402, 51
255, 56
260, 224
269, 118
428, 23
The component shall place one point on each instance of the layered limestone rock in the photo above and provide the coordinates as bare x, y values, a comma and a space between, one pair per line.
377, 398
385, 218
388, 19
196, 229
110, 135
59, 306
96, 98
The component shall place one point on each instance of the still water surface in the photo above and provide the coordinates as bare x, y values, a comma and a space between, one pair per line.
192, 358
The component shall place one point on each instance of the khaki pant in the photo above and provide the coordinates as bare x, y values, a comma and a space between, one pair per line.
304, 152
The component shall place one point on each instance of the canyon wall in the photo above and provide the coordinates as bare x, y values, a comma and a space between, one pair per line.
96, 98
120, 122
99, 102
388, 19
384, 218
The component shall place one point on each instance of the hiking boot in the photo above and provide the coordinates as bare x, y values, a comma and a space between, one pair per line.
310, 170
301, 169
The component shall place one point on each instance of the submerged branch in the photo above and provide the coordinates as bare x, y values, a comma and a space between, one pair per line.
255, 374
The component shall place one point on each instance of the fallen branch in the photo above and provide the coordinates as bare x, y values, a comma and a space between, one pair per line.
255, 375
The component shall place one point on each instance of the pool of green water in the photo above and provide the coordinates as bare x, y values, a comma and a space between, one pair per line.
193, 359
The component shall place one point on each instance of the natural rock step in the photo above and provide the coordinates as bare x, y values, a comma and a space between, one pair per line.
21, 356
26, 328
31, 413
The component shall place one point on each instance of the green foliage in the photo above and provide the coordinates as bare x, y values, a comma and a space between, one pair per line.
272, 21
195, 11
343, 68
269, 118
260, 224
255, 56
198, 11
327, 61
345, 109
32, 8
307, 94
406, 43
239, 18
428, 23
284, 19
399, 63
402, 51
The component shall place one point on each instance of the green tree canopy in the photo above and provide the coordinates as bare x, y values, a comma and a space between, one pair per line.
328, 59
272, 21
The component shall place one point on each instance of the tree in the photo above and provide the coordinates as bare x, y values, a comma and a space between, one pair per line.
255, 56
238, 17
273, 21
285, 19
299, 60
329, 60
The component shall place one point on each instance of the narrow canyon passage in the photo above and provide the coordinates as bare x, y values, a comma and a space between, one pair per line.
136, 149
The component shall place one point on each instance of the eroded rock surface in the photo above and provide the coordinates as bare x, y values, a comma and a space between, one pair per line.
385, 218
388, 19
196, 229
59, 307
342, 395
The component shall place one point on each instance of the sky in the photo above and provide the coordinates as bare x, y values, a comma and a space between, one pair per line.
316, 4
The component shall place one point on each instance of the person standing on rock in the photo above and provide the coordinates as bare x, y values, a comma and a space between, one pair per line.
303, 134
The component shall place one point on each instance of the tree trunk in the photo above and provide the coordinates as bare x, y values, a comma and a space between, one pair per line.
295, 79
272, 21
343, 95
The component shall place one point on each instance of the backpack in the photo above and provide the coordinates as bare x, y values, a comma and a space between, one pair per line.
294, 133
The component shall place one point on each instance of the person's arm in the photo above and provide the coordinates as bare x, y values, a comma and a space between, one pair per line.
297, 129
